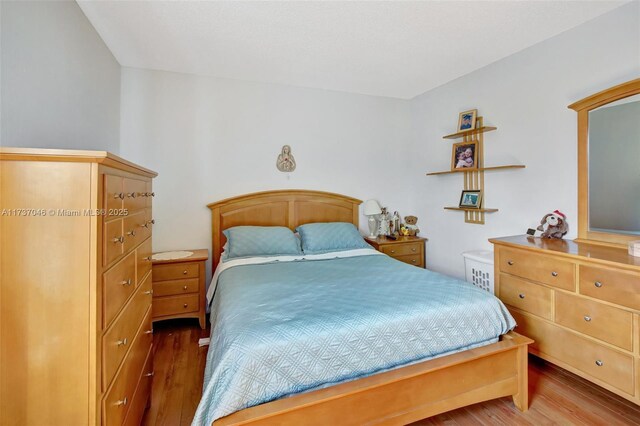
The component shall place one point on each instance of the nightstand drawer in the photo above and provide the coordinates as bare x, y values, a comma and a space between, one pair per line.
411, 259
527, 296
173, 305
176, 287
547, 270
402, 249
596, 319
175, 272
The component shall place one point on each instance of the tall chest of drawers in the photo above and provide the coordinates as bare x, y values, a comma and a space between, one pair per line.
75, 289
579, 302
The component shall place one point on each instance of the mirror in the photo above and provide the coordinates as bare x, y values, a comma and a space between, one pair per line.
609, 165
614, 167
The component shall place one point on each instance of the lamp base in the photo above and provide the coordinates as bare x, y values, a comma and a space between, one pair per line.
373, 227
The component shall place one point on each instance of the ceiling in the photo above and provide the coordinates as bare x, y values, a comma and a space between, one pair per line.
393, 48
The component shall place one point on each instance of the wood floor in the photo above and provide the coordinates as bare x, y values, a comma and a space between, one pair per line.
557, 397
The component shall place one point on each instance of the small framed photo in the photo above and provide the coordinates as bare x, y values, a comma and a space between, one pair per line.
467, 120
464, 156
470, 199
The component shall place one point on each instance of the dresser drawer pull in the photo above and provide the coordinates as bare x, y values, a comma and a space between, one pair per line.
599, 363
119, 195
184, 272
123, 401
598, 284
521, 295
554, 274
413, 249
119, 239
122, 342
149, 331
185, 287
393, 251
185, 305
148, 292
413, 261
131, 194
587, 318
149, 374
510, 262
132, 233
126, 282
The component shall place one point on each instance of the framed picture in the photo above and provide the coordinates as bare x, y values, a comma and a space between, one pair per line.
467, 120
470, 199
464, 156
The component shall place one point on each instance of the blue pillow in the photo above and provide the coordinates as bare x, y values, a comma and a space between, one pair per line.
320, 238
248, 241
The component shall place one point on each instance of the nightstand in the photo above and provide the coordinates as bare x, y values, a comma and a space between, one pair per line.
179, 287
405, 249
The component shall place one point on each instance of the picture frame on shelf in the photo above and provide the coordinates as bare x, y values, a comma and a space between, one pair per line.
467, 120
464, 156
470, 199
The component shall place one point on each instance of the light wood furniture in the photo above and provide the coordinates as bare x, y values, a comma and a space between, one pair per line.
580, 302
179, 287
583, 107
396, 397
474, 178
75, 288
405, 249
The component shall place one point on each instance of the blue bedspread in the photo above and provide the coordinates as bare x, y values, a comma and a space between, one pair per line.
285, 328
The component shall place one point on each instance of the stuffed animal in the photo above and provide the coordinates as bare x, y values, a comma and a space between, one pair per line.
556, 225
409, 228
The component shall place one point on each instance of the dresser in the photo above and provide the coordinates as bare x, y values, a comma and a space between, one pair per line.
405, 249
75, 289
580, 302
179, 287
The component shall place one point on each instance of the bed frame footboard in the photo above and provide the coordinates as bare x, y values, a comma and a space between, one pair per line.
406, 394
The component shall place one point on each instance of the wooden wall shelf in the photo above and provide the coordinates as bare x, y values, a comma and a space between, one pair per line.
483, 210
509, 166
481, 129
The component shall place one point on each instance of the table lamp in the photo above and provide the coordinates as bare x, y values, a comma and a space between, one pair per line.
371, 210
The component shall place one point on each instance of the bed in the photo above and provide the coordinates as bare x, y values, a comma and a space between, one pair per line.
349, 338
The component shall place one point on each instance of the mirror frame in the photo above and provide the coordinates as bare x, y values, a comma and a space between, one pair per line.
583, 107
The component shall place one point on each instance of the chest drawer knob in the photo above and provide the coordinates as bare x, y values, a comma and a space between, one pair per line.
599, 363
118, 240
131, 194
148, 258
149, 374
510, 262
126, 282
413, 261
598, 284
521, 295
132, 233
185, 305
149, 331
153, 194
123, 401
148, 292
119, 195
554, 274
587, 318
393, 251
122, 342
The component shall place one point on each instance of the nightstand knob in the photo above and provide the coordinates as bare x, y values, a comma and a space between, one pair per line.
413, 261
413, 249
393, 251
185, 287
184, 272
185, 305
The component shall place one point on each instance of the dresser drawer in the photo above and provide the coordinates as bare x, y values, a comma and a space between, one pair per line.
118, 284
113, 193
141, 395
132, 229
143, 254
622, 288
527, 296
120, 336
412, 259
174, 305
175, 271
402, 249
134, 194
608, 365
113, 244
536, 267
177, 287
598, 320
118, 399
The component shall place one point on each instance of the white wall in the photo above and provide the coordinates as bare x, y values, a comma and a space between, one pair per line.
214, 138
526, 96
60, 84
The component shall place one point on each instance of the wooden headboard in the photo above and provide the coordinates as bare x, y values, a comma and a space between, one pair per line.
289, 207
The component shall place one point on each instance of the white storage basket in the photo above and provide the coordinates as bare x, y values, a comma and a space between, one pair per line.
478, 267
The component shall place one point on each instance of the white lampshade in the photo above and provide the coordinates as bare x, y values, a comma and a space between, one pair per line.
371, 207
